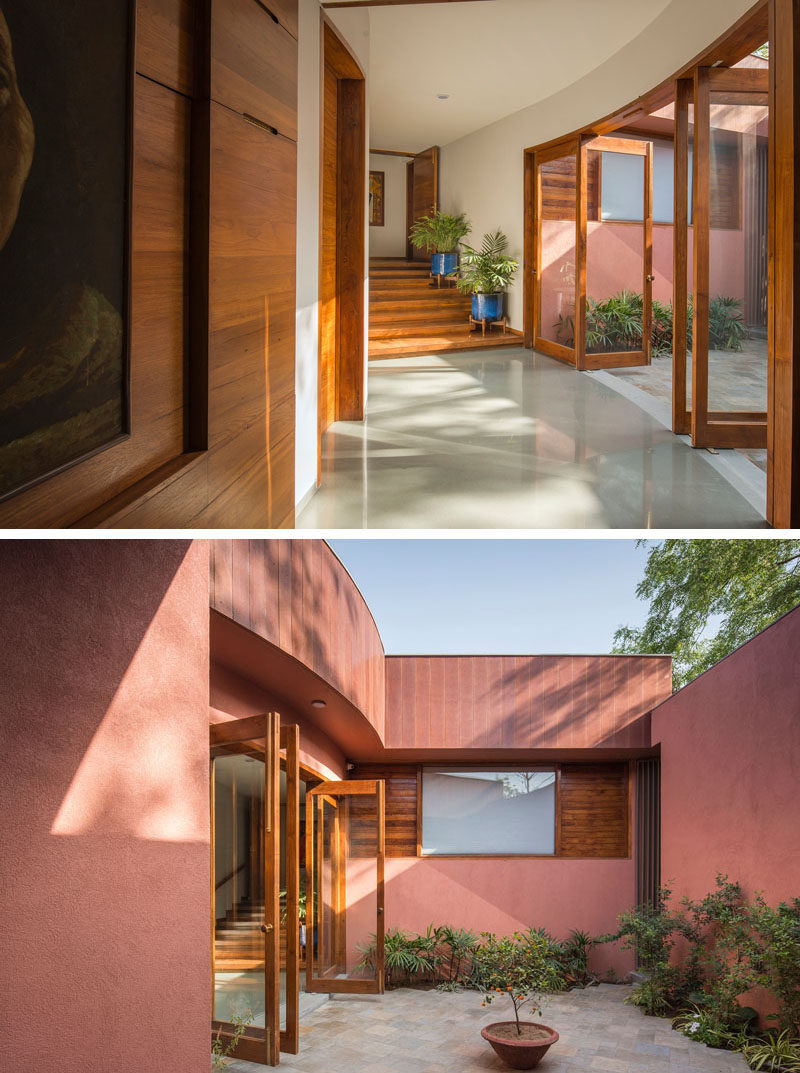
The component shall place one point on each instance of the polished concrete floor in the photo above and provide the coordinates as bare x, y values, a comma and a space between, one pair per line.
512, 439
430, 1032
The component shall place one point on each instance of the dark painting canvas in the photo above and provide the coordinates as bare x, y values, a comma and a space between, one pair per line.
64, 117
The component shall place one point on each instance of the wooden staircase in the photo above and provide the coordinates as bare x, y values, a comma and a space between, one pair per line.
239, 941
409, 314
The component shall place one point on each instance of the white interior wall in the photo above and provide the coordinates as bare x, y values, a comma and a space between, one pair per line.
353, 26
482, 173
390, 240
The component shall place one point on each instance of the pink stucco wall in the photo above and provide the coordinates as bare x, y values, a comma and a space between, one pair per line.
614, 263
730, 771
105, 834
509, 894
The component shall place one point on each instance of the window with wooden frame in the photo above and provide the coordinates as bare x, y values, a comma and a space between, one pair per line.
590, 815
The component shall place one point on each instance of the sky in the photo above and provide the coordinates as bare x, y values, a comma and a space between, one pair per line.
497, 596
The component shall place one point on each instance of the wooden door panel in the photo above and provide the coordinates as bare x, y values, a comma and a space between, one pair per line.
254, 64
426, 189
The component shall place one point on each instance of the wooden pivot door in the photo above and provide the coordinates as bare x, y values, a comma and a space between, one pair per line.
554, 271
245, 881
615, 245
730, 257
345, 846
423, 192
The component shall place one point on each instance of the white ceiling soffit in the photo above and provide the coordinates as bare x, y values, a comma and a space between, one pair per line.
492, 58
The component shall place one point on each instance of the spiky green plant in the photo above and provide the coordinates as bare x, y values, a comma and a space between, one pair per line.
489, 269
439, 232
774, 1053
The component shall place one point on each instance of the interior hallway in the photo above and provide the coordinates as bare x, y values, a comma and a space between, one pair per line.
514, 439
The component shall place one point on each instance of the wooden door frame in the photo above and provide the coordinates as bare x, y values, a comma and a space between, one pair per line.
290, 745
632, 147
346, 306
314, 800
714, 428
409, 207
262, 1046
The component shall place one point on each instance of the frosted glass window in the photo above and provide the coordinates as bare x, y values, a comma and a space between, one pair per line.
479, 812
622, 180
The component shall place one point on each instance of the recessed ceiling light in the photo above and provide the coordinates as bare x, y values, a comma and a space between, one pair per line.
318, 704
442, 96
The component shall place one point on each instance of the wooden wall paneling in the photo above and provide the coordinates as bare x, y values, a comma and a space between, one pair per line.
252, 311
594, 810
285, 11
165, 43
783, 453
254, 64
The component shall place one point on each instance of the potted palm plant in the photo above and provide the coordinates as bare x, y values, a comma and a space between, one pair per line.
440, 234
485, 274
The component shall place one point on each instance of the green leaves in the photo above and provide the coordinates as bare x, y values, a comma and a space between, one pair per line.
707, 597
489, 269
438, 232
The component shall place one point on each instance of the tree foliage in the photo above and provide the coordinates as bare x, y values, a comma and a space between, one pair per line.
707, 597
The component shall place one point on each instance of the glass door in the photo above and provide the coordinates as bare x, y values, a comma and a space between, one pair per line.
731, 210
245, 863
555, 250
344, 887
615, 269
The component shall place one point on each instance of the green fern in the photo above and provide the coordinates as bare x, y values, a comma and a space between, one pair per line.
489, 269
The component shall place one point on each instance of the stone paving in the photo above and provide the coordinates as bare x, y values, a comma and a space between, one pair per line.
433, 1032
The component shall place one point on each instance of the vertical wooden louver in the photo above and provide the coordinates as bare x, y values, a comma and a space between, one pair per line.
648, 831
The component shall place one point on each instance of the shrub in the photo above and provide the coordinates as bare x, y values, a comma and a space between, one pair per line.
615, 324
774, 1053
520, 967
778, 932
439, 232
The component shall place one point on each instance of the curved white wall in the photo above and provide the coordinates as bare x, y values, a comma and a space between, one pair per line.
482, 173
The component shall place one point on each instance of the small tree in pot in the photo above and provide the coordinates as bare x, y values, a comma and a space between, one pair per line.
485, 274
440, 234
520, 969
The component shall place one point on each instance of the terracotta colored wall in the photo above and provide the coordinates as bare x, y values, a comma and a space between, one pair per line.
297, 595
513, 893
525, 702
730, 771
104, 733
233, 697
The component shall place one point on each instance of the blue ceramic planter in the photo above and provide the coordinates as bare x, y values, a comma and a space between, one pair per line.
487, 306
442, 264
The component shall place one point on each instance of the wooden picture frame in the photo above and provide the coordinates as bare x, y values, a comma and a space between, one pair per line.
377, 195
65, 384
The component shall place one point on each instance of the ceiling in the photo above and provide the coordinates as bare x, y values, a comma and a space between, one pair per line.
493, 58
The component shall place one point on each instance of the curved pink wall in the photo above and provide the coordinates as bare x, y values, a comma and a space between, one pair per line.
105, 837
730, 771
510, 894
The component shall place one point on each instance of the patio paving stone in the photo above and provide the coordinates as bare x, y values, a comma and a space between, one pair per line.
410, 1031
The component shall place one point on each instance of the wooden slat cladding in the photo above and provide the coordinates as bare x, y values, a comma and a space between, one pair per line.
725, 183
558, 188
593, 814
523, 702
298, 596
401, 812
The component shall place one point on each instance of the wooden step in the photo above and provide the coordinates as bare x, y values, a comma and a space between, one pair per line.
397, 330
423, 316
416, 306
452, 342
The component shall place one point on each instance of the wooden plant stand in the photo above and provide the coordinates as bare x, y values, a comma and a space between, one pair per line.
473, 324
439, 277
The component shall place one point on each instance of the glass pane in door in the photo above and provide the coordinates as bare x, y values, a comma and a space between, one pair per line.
239, 889
614, 252
557, 277
347, 878
739, 208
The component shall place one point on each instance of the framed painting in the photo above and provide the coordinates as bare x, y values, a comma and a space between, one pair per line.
66, 104
376, 184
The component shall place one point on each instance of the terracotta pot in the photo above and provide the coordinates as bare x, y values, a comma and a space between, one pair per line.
520, 1053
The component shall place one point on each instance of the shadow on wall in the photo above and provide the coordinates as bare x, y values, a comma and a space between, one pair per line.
105, 801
